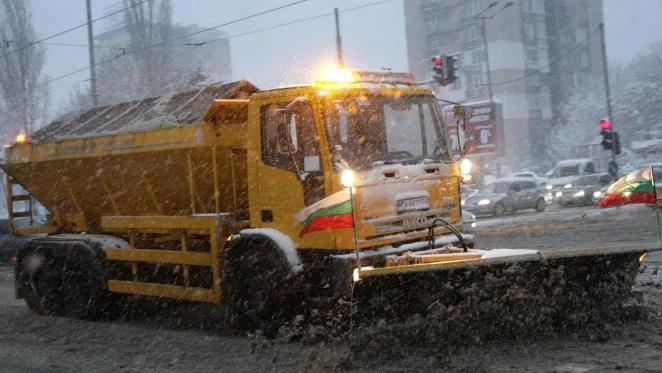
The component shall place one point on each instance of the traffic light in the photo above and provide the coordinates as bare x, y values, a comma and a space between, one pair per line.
616, 143
439, 69
450, 68
607, 139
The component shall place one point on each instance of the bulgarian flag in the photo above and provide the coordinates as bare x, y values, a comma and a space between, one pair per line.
635, 187
333, 212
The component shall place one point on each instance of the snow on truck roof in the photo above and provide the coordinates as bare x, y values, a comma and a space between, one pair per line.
172, 109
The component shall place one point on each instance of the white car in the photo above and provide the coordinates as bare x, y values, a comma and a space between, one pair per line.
540, 180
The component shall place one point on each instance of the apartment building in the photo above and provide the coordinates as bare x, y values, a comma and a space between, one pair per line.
538, 52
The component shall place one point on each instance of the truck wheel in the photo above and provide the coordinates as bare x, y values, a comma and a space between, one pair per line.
40, 278
257, 286
541, 205
83, 286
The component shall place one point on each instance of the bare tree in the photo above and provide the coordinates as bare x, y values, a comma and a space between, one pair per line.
24, 94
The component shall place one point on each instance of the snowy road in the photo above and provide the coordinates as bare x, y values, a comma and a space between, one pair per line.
36, 344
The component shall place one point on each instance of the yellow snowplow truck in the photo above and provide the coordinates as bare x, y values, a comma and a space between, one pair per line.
265, 200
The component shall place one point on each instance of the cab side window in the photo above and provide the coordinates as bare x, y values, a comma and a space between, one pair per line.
589, 169
289, 145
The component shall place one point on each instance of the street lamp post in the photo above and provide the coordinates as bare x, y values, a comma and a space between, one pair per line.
487, 57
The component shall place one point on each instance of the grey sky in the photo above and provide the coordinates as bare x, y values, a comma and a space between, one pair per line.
373, 37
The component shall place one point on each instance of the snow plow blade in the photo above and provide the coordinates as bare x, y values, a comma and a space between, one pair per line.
504, 296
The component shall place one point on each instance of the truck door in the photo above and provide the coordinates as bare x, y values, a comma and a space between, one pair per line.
290, 175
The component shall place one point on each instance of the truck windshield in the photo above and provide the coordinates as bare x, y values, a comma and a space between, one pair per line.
364, 129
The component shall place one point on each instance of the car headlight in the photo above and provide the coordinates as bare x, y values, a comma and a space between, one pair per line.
558, 194
462, 203
567, 186
548, 187
597, 194
581, 193
484, 202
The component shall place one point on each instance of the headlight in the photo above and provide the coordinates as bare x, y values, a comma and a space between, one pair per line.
567, 186
581, 193
559, 194
548, 187
484, 202
462, 202
465, 166
597, 194
347, 178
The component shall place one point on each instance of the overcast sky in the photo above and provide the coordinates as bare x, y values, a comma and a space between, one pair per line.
373, 36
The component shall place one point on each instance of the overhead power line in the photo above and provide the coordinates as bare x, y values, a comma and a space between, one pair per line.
71, 29
291, 23
168, 41
553, 62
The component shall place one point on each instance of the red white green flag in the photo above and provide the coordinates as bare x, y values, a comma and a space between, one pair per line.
635, 187
333, 212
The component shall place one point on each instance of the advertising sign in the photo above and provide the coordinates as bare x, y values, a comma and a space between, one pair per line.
480, 131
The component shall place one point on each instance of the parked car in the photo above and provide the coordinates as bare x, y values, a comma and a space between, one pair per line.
583, 190
506, 195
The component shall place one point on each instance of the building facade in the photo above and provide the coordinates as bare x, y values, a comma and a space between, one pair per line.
538, 52
206, 50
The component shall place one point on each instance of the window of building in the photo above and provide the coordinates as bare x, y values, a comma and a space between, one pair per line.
538, 6
477, 56
475, 32
541, 30
528, 31
433, 43
584, 60
430, 23
478, 81
535, 113
473, 7
543, 55
457, 84
532, 54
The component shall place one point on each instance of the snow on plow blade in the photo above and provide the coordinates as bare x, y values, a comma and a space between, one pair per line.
504, 296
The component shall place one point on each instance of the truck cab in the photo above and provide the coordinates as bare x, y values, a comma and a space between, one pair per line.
382, 127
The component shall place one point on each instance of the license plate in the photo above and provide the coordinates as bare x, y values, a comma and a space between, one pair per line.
413, 204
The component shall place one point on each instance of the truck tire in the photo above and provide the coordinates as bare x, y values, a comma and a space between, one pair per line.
259, 291
40, 277
83, 285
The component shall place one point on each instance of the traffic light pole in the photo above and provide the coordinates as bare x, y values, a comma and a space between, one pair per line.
607, 92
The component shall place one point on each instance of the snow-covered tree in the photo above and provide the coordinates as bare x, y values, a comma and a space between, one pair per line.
636, 99
147, 66
24, 94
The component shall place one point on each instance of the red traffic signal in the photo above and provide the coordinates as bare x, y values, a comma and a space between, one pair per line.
437, 60
605, 124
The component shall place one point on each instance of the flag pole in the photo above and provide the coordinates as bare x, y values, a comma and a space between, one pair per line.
657, 205
356, 242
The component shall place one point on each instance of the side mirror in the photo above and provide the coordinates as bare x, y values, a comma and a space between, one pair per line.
286, 131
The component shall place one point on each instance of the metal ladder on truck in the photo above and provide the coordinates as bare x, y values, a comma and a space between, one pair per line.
12, 199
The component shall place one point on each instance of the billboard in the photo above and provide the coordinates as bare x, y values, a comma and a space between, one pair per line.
480, 131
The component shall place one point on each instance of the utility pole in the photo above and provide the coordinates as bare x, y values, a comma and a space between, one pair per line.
607, 92
90, 42
489, 75
341, 64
